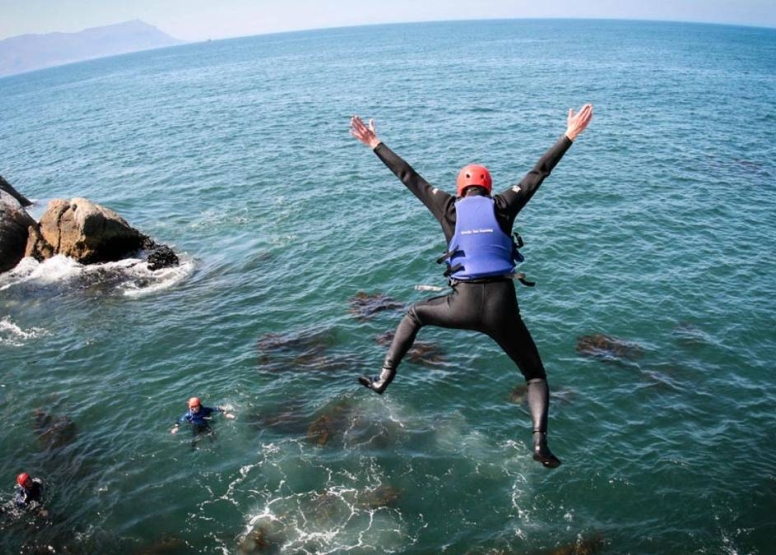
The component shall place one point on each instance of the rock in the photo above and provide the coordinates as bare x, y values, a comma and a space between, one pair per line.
364, 305
37, 247
381, 496
338, 418
258, 541
265, 539
291, 417
54, 431
519, 394
8, 188
166, 545
88, 232
427, 354
160, 256
15, 224
588, 545
305, 350
607, 347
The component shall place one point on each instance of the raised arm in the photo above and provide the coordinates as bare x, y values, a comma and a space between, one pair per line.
438, 202
365, 134
577, 123
513, 199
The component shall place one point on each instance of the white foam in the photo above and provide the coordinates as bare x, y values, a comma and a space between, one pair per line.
131, 276
49, 271
11, 334
149, 282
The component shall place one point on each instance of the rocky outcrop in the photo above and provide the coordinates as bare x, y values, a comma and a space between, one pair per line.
15, 224
87, 232
8, 188
77, 228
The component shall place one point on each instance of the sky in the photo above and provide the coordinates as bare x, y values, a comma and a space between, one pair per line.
194, 20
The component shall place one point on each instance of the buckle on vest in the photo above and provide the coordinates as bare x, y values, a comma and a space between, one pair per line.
520, 276
452, 269
446, 255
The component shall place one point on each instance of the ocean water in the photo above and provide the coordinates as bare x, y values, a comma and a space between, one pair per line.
657, 228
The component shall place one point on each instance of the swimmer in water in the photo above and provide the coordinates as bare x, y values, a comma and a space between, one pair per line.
29, 495
198, 417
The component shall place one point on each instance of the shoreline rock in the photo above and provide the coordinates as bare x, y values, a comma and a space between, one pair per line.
8, 188
78, 228
15, 223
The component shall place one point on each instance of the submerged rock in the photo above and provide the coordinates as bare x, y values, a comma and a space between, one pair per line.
260, 541
167, 545
427, 354
690, 334
338, 417
345, 422
54, 431
381, 496
607, 347
364, 305
292, 418
315, 340
583, 546
305, 350
331, 424
519, 394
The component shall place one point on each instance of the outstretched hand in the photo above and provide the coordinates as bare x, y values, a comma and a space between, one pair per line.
576, 123
362, 132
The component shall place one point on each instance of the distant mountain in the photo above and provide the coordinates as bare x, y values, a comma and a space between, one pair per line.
28, 52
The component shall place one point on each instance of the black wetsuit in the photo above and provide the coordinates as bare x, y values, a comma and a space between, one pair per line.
26, 496
487, 305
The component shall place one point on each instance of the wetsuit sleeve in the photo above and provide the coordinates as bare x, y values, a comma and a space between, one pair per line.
21, 498
205, 412
511, 201
439, 203
185, 418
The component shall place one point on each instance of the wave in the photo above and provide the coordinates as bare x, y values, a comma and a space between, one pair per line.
14, 336
130, 277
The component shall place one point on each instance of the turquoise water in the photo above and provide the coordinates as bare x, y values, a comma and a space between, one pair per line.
656, 228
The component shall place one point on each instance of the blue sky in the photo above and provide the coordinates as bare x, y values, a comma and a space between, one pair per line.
202, 19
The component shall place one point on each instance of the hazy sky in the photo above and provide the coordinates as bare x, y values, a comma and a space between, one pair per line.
202, 19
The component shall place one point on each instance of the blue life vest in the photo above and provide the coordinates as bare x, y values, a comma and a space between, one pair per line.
479, 248
199, 418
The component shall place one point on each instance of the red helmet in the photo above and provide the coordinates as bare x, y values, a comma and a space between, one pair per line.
22, 478
474, 174
194, 402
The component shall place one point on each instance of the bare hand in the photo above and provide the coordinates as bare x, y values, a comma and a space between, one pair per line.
229, 415
576, 123
174, 430
363, 133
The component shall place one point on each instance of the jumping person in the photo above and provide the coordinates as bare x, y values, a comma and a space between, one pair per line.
480, 264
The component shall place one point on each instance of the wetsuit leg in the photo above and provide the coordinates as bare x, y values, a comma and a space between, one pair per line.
456, 310
502, 322
539, 404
